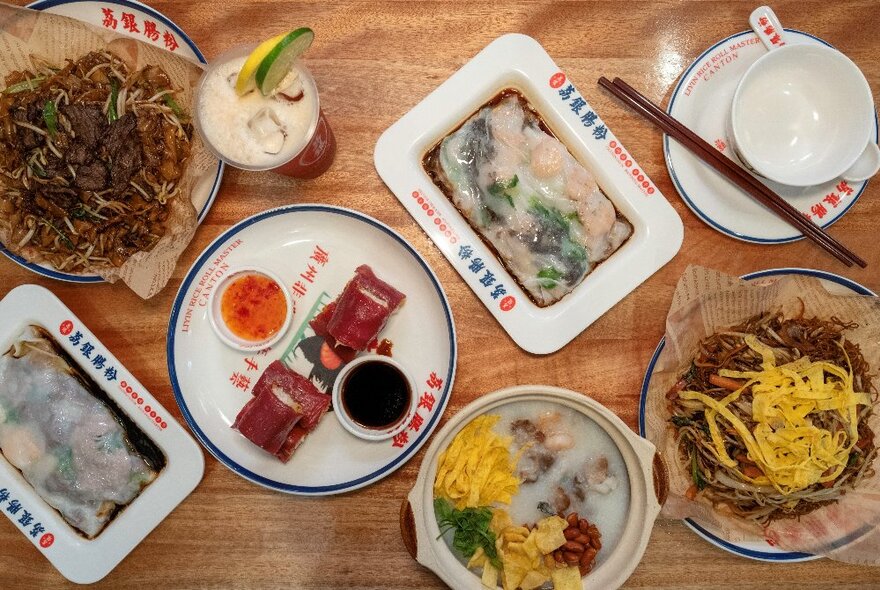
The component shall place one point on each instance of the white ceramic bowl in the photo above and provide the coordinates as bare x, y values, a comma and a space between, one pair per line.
647, 481
802, 115
220, 326
372, 433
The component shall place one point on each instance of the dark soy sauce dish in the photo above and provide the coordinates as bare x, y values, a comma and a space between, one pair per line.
373, 397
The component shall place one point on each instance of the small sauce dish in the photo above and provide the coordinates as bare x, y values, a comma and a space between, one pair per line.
374, 397
250, 309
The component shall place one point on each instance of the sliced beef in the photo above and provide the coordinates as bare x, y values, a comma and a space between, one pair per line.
88, 123
91, 177
124, 149
32, 115
79, 153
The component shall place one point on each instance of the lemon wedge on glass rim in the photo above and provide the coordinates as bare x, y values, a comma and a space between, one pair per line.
271, 61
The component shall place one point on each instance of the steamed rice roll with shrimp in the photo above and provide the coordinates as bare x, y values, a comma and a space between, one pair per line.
521, 189
69, 440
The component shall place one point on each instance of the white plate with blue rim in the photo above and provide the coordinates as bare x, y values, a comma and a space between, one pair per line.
146, 24
314, 250
758, 549
701, 101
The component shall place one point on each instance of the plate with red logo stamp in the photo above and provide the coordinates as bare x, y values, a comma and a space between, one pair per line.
756, 548
701, 100
137, 20
91, 462
543, 212
315, 251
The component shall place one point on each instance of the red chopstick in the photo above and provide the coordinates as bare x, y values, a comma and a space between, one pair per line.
733, 172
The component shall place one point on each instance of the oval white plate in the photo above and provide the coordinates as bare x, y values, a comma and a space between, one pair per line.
93, 13
212, 381
757, 549
701, 101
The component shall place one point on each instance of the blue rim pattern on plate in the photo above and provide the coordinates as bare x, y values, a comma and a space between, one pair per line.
790, 556
680, 188
243, 471
215, 188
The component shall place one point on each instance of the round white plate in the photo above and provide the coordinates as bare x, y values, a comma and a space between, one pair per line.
758, 549
701, 101
314, 249
93, 13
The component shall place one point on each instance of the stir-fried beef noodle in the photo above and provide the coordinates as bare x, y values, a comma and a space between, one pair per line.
91, 156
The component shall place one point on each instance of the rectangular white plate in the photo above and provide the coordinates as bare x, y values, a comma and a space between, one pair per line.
78, 559
518, 61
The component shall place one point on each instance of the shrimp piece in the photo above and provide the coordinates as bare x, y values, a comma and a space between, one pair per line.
557, 438
21, 445
547, 158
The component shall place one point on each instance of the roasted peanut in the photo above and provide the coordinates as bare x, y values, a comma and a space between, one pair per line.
549, 562
596, 543
572, 519
581, 538
557, 555
584, 525
571, 534
589, 554
573, 546
570, 557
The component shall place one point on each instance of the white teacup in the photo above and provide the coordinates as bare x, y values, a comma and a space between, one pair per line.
802, 115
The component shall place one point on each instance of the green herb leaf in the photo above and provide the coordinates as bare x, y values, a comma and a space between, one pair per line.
64, 239
38, 170
500, 189
175, 108
681, 421
471, 527
26, 85
695, 470
50, 116
112, 115
853, 459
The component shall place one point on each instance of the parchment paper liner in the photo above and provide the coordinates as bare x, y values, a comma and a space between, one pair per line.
706, 301
24, 32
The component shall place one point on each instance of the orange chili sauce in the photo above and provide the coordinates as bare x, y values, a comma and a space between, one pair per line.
253, 307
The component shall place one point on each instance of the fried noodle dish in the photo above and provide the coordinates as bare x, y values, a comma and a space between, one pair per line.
771, 418
91, 157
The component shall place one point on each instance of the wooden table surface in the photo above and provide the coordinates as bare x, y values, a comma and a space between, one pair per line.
373, 61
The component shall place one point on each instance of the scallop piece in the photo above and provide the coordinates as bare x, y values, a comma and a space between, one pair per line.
268, 130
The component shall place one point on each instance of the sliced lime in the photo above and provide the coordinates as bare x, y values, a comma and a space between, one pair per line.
278, 62
245, 81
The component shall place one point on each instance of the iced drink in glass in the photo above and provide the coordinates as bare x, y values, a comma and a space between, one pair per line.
285, 132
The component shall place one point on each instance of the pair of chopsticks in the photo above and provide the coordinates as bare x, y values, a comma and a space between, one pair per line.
733, 172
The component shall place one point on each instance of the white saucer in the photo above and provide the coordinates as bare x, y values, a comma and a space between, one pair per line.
701, 101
